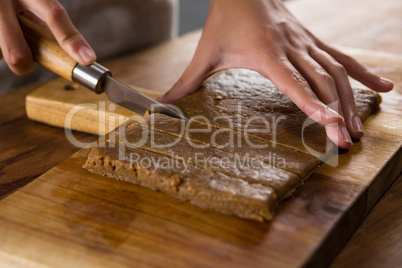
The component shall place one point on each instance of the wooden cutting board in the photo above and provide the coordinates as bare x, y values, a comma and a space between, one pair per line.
71, 218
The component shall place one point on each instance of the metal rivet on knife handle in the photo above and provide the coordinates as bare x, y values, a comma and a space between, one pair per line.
47, 52
91, 76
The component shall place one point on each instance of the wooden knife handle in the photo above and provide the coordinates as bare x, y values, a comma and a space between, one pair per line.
45, 49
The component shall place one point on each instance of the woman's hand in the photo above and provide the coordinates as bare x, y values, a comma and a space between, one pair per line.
49, 14
264, 36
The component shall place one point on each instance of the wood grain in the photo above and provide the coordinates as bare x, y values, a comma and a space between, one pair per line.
28, 148
101, 222
372, 25
373, 244
379, 30
119, 222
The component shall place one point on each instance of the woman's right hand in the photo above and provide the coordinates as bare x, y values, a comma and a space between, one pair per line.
262, 35
49, 14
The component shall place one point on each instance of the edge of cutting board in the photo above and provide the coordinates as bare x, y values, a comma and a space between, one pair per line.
71, 217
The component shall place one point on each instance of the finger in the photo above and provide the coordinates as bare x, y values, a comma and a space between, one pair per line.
359, 71
320, 81
345, 92
324, 87
192, 78
32, 17
68, 37
12, 42
339, 135
291, 83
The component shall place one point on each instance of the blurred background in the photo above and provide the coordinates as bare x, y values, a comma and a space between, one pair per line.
192, 15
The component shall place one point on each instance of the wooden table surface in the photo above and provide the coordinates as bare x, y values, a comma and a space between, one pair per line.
29, 149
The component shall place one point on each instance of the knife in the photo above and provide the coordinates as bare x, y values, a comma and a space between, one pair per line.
47, 52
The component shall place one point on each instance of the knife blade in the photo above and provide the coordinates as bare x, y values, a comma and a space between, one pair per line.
47, 52
133, 100
99, 79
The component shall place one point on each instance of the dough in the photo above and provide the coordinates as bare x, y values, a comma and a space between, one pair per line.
240, 154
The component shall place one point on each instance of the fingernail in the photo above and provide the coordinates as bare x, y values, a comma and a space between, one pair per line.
87, 54
357, 124
345, 134
386, 80
331, 116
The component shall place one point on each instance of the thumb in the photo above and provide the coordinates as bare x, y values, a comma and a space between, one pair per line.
192, 78
59, 23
